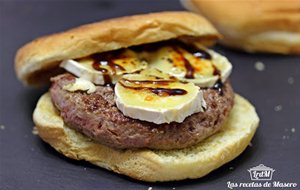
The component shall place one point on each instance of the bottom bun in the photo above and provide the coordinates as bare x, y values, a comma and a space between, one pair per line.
152, 165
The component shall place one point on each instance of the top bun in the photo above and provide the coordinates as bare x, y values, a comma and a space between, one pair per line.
38, 60
254, 25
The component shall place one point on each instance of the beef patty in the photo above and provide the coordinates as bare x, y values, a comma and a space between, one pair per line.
97, 116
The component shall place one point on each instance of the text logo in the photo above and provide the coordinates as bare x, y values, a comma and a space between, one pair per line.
261, 173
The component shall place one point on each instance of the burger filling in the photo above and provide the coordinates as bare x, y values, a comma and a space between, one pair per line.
164, 95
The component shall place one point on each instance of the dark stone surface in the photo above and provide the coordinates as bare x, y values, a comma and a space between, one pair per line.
28, 163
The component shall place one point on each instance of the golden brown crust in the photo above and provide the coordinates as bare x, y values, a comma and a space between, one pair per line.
241, 21
44, 54
146, 164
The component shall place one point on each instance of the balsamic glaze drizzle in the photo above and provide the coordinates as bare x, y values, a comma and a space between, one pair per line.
188, 66
219, 84
158, 91
101, 59
160, 82
175, 44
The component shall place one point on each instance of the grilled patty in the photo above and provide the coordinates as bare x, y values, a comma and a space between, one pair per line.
97, 116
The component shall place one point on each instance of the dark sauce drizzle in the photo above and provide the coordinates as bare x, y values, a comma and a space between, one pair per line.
188, 66
197, 52
159, 91
101, 59
108, 59
201, 54
219, 84
160, 82
168, 91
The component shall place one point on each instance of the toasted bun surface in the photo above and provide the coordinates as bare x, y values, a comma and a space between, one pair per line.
254, 25
38, 60
152, 165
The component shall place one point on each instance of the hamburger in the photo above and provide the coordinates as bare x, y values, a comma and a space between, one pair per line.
254, 25
140, 95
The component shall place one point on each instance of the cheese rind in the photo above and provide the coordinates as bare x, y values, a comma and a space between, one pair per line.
83, 71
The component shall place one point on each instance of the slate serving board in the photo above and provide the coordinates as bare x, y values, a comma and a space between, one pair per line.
26, 162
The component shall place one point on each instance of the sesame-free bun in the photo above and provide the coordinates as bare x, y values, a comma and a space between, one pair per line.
254, 25
38, 60
146, 164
